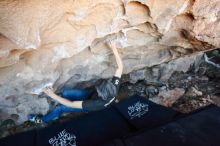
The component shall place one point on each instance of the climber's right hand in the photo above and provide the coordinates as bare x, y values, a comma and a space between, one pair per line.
112, 44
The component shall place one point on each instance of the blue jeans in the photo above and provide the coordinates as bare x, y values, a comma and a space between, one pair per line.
70, 94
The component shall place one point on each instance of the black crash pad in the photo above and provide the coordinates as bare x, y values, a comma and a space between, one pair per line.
97, 128
199, 129
90, 129
141, 113
21, 139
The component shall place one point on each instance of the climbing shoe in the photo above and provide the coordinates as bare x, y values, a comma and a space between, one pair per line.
35, 119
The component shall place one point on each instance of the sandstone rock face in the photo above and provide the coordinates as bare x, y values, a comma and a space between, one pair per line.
47, 42
207, 25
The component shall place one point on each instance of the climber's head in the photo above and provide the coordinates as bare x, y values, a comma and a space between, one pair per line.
106, 89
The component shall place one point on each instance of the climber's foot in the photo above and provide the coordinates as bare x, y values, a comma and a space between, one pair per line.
35, 119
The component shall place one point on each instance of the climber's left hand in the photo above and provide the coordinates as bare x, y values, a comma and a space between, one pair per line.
49, 91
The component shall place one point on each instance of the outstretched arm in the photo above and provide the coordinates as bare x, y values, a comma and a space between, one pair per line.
66, 102
119, 70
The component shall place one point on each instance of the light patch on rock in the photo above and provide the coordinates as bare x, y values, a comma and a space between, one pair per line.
30, 46
168, 97
207, 59
125, 30
100, 57
59, 53
181, 10
80, 14
27, 73
38, 90
212, 17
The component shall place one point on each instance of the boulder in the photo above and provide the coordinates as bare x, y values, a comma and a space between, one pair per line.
47, 43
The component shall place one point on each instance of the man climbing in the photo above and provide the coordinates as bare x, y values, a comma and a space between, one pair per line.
84, 100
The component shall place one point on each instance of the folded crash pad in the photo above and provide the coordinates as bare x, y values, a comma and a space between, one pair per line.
142, 113
201, 128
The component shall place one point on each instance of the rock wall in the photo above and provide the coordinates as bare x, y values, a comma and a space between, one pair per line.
48, 42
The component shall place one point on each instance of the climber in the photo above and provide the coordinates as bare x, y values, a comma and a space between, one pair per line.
84, 100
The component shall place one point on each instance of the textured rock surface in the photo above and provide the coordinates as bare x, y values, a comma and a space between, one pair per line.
43, 42
164, 71
167, 98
